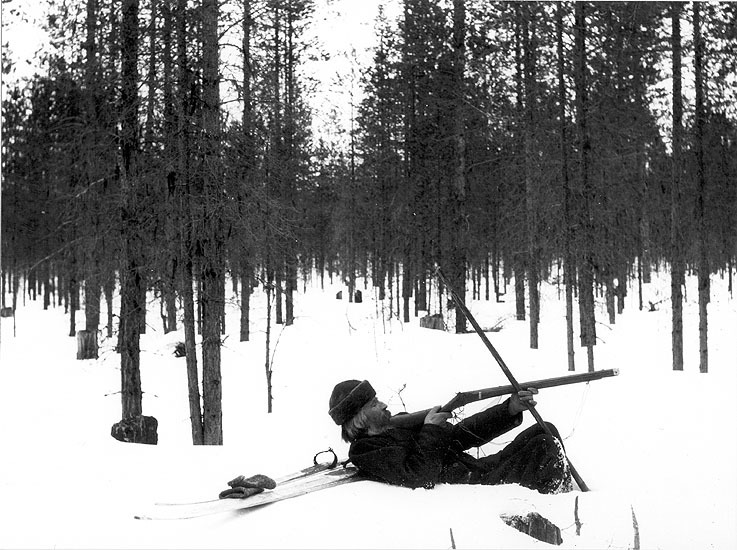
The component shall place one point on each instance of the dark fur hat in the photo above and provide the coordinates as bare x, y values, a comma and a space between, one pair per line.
348, 398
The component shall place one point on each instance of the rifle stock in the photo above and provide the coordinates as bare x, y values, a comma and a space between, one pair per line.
409, 420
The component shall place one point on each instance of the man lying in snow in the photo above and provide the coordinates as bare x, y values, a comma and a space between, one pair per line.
433, 452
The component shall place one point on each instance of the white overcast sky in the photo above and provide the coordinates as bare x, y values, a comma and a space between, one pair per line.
22, 31
340, 26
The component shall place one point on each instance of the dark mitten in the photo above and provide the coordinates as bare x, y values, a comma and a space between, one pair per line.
241, 492
259, 481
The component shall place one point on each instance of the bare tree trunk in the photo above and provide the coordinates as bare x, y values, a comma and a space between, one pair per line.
639, 279
246, 285
421, 294
267, 363
519, 290
677, 263
172, 268
350, 199
73, 295
131, 279
213, 280
703, 258
211, 303
290, 263
609, 297
406, 284
143, 298
495, 273
46, 285
92, 267
195, 411
16, 285
277, 161
278, 296
249, 160
644, 229
570, 266
519, 258
458, 252
409, 161
586, 275
92, 303
528, 37
621, 290
108, 289
185, 229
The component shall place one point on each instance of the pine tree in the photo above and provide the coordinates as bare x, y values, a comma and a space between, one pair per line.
457, 195
586, 267
131, 274
212, 298
676, 252
703, 258
183, 184
568, 252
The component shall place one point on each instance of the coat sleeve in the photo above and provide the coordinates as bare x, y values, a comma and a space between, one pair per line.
408, 463
480, 428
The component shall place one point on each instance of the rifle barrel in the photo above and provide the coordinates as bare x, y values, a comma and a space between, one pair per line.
464, 398
487, 393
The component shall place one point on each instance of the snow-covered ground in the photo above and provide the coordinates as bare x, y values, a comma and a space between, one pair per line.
658, 442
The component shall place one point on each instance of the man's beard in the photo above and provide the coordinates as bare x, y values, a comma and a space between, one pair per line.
380, 424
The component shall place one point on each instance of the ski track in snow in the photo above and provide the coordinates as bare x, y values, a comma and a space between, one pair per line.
658, 442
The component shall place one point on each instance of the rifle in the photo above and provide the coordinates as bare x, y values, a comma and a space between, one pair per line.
408, 420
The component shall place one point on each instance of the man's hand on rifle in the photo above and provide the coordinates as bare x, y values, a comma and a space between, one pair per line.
436, 417
519, 401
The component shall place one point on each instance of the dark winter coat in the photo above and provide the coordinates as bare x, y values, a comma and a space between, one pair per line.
429, 454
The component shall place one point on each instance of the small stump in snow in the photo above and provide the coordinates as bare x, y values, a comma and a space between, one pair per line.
339, 295
136, 429
536, 526
358, 297
86, 344
6, 312
433, 321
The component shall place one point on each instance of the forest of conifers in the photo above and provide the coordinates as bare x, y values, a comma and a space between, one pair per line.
499, 141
